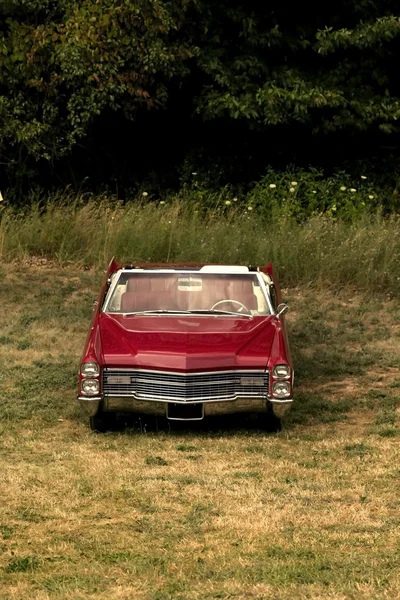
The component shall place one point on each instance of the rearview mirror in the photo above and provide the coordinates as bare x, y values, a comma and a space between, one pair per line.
282, 309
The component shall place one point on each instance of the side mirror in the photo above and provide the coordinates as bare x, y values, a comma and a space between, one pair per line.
282, 310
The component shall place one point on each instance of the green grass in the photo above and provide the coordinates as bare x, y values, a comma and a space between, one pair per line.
213, 510
363, 253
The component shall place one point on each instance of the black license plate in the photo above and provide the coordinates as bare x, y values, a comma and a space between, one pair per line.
185, 412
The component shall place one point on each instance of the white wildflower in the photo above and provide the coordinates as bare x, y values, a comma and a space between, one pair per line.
272, 186
353, 190
343, 188
371, 196
292, 190
293, 183
1, 197
314, 191
228, 202
249, 208
162, 202
145, 194
363, 177
195, 173
235, 199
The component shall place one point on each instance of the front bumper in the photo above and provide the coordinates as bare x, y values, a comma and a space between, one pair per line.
160, 408
90, 405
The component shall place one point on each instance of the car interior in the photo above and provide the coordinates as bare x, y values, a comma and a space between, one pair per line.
182, 292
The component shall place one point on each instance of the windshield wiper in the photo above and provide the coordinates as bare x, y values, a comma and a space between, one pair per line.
205, 311
159, 311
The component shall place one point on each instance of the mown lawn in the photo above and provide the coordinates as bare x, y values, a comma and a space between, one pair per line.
218, 510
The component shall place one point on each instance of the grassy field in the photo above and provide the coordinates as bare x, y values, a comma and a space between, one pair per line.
215, 511
322, 250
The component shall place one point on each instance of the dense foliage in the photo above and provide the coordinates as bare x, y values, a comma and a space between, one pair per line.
75, 72
64, 62
336, 69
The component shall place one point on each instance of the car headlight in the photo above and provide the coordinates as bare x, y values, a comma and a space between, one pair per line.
281, 389
90, 369
281, 371
90, 386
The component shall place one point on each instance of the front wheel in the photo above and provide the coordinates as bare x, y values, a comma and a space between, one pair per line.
102, 422
269, 422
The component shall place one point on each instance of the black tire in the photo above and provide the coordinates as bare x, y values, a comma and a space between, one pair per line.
270, 423
103, 422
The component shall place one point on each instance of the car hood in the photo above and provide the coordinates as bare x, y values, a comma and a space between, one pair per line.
186, 343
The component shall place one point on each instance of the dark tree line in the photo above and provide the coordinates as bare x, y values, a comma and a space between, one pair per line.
119, 89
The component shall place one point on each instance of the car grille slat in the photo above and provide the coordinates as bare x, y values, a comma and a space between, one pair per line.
195, 387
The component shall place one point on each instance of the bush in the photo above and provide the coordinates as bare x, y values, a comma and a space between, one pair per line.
303, 194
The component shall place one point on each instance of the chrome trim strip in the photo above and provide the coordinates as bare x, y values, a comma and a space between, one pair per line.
186, 373
174, 400
182, 384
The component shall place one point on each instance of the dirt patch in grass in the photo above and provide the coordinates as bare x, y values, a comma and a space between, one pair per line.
355, 387
335, 390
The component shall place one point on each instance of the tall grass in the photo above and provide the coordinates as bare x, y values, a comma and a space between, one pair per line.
364, 253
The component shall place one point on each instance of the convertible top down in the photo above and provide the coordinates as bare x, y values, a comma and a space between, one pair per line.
185, 341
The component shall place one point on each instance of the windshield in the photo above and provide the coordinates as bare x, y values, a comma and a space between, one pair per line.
181, 292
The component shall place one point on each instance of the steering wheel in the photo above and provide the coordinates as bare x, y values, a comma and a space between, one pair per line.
242, 306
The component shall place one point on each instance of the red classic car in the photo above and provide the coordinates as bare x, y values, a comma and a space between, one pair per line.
184, 342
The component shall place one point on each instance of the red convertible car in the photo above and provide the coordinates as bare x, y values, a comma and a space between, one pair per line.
184, 342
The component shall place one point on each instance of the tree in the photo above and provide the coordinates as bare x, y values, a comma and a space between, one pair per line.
67, 65
64, 62
277, 63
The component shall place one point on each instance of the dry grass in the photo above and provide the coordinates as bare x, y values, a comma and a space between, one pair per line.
217, 511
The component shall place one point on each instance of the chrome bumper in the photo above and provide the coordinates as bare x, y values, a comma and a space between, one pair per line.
281, 407
90, 405
159, 408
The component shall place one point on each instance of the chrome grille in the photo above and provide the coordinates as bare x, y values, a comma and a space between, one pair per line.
189, 387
